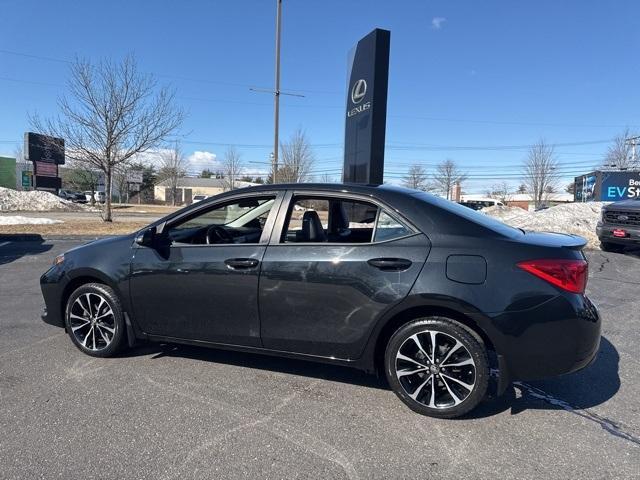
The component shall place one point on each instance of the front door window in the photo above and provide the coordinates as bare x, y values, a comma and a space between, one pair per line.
235, 222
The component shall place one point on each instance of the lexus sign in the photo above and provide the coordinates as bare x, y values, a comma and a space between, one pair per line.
366, 112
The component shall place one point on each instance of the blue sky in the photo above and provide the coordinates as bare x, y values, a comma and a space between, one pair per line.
465, 77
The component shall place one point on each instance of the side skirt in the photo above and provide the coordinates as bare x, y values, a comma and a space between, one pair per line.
258, 350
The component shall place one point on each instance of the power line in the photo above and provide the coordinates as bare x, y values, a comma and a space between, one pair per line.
293, 90
163, 75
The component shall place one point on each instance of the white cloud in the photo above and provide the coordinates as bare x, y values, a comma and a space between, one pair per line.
199, 160
436, 22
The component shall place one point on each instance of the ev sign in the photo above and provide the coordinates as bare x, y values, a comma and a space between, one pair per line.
366, 114
607, 186
620, 186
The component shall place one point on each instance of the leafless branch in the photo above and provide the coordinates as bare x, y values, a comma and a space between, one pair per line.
446, 176
111, 113
231, 167
540, 172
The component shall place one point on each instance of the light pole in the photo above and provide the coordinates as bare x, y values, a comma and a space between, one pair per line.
276, 95
276, 92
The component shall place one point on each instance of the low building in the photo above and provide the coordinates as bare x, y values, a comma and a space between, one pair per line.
8, 172
522, 200
525, 200
190, 187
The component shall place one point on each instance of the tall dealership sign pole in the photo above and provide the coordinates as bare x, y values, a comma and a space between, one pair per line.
366, 115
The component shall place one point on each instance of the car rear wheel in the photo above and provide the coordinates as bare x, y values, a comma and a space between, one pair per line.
94, 320
437, 366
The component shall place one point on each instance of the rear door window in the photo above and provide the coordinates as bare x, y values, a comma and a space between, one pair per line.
330, 219
326, 219
389, 228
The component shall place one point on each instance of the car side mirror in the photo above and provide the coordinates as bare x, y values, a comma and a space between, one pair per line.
147, 237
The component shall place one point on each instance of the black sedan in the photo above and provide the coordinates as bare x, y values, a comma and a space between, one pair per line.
76, 197
434, 295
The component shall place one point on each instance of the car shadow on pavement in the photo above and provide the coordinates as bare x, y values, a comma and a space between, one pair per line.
590, 387
587, 388
632, 252
334, 373
16, 246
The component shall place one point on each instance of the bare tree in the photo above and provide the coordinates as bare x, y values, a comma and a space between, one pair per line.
328, 178
297, 159
416, 178
619, 154
446, 176
501, 191
120, 176
113, 112
19, 154
231, 167
540, 172
173, 167
570, 188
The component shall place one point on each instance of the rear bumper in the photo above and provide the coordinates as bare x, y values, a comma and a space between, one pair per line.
605, 234
559, 336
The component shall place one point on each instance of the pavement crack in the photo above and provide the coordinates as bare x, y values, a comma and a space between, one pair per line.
608, 425
602, 263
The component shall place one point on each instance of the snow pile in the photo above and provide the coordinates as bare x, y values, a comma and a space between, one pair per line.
20, 220
34, 201
577, 218
505, 214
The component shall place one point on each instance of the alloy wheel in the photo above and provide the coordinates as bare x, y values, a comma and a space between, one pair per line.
435, 369
92, 321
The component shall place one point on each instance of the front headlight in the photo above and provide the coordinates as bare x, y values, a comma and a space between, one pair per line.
58, 260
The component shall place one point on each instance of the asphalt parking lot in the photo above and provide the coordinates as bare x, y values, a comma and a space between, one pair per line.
166, 412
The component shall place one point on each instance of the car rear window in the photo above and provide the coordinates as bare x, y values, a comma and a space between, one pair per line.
470, 214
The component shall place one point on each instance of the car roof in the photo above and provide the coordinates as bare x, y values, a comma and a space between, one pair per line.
367, 189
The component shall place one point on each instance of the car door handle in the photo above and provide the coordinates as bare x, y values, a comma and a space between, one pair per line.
390, 264
241, 263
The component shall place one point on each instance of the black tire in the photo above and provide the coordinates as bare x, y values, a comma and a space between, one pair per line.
611, 247
89, 324
451, 399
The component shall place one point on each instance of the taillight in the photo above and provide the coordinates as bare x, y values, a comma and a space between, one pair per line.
570, 275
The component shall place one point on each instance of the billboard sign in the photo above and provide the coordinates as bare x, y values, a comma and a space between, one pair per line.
605, 186
366, 109
620, 186
26, 178
46, 153
43, 148
134, 176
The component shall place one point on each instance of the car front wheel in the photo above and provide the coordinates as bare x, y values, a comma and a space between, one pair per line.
94, 320
437, 366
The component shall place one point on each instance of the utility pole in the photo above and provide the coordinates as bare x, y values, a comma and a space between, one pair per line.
633, 141
276, 93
